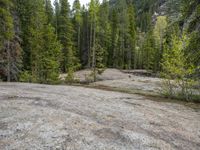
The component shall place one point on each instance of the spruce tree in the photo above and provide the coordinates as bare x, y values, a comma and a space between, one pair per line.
112, 56
6, 29
41, 45
37, 22
93, 23
77, 23
104, 31
159, 33
99, 55
176, 70
94, 26
10, 49
56, 16
124, 26
65, 34
25, 11
49, 11
131, 58
123, 34
84, 37
51, 55
6, 35
149, 52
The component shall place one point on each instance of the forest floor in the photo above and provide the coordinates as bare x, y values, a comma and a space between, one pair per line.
35, 116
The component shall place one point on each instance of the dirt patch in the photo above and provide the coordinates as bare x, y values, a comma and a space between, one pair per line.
15, 97
107, 133
132, 104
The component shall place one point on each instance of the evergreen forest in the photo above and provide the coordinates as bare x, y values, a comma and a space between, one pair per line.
39, 41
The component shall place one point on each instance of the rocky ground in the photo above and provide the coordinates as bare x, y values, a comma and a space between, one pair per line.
34, 116
129, 81
135, 80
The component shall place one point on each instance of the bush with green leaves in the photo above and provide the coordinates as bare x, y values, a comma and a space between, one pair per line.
25, 76
177, 71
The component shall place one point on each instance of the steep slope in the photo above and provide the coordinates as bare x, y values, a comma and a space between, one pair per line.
187, 12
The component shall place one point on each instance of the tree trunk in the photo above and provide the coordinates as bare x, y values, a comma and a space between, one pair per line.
90, 47
79, 31
9, 63
94, 53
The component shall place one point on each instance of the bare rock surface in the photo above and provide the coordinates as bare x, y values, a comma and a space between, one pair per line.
124, 79
34, 116
145, 84
108, 74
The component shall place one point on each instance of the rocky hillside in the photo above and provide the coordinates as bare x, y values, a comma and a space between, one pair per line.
185, 12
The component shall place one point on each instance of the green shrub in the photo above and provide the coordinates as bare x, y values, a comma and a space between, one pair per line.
177, 71
26, 76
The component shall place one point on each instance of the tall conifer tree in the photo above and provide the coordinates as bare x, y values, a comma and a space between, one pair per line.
49, 11
10, 49
77, 23
65, 34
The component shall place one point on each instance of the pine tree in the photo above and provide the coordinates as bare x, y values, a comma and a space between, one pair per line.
149, 55
93, 20
84, 41
65, 34
37, 22
94, 25
192, 51
15, 47
6, 35
145, 9
49, 11
6, 22
123, 34
99, 61
131, 58
77, 23
51, 55
139, 49
104, 31
112, 56
42, 46
159, 33
175, 67
56, 15
25, 11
